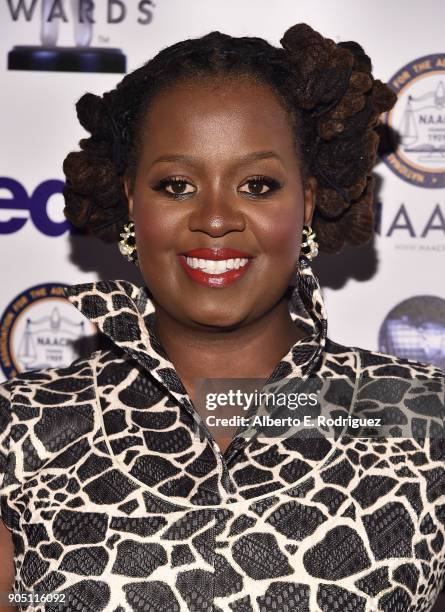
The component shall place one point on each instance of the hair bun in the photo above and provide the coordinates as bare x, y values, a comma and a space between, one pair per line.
299, 37
92, 114
322, 68
362, 62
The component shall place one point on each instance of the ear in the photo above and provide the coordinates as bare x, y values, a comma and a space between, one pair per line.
310, 190
129, 196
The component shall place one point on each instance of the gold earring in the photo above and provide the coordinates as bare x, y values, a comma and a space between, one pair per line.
309, 245
127, 243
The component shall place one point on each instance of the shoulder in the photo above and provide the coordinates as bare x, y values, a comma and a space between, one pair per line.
58, 386
406, 389
375, 363
30, 396
24, 396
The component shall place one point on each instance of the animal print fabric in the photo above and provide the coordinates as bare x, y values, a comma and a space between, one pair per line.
118, 497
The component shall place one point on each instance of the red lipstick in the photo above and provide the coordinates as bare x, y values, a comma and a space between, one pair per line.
222, 279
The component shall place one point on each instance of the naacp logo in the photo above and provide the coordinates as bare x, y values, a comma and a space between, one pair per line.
41, 329
415, 329
417, 122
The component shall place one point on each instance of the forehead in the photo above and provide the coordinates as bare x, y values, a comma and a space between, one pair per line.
217, 114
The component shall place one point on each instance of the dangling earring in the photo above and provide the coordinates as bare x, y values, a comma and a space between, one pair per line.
309, 245
127, 243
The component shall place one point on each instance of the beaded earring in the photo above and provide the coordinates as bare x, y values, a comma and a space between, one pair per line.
127, 243
309, 245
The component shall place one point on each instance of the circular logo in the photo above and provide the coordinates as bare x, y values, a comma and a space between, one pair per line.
415, 329
416, 124
41, 329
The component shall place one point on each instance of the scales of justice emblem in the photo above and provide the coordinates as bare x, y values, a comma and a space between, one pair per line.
415, 126
48, 341
422, 128
80, 58
40, 329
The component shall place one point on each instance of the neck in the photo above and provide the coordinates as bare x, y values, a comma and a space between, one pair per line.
250, 351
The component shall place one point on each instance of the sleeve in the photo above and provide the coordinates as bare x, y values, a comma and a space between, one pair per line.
5, 438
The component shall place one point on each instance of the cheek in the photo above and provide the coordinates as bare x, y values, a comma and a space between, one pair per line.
280, 234
156, 229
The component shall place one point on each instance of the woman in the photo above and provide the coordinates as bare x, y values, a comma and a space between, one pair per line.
220, 167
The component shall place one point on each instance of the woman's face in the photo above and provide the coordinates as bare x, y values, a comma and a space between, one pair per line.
218, 170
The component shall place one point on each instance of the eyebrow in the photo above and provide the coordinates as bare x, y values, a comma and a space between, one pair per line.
194, 161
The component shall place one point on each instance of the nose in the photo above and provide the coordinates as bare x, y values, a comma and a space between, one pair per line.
216, 213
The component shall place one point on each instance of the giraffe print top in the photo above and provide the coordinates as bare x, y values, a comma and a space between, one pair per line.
119, 499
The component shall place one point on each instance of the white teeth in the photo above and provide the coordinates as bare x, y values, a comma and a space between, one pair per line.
212, 266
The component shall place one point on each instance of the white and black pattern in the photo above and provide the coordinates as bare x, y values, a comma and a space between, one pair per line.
117, 495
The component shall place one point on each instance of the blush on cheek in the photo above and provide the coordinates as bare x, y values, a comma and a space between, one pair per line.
158, 233
151, 229
282, 236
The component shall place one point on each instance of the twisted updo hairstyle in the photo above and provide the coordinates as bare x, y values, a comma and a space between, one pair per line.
333, 101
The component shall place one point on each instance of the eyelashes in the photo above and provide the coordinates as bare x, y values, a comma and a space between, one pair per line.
181, 187
271, 184
177, 182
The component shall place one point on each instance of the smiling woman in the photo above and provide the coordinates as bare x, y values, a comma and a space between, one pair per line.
232, 202
220, 167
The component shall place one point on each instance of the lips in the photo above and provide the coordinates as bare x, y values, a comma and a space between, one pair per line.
222, 279
217, 253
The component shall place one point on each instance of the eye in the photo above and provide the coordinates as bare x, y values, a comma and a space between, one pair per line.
260, 186
175, 187
178, 187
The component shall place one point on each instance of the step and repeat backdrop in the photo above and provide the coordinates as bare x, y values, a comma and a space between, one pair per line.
388, 295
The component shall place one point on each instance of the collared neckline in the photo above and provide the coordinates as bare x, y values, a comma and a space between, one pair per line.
125, 314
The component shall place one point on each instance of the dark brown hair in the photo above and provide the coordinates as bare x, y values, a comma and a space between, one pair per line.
328, 89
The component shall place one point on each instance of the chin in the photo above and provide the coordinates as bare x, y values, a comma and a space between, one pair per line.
217, 319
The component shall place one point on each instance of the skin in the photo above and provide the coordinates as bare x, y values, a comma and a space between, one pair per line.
243, 330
